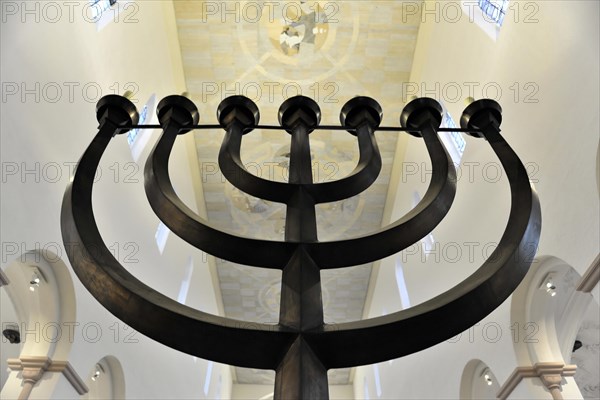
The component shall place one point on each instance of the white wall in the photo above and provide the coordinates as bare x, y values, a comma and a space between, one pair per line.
557, 137
246, 391
49, 132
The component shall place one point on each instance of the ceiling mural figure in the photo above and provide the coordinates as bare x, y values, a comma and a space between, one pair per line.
308, 28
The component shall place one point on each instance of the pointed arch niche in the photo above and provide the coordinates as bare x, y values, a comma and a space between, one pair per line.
105, 380
41, 298
478, 382
551, 311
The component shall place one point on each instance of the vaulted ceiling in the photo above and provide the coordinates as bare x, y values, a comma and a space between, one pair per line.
269, 51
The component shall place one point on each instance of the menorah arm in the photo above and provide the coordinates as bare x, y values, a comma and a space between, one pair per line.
405, 332
333, 254
198, 232
236, 173
409, 229
365, 173
144, 309
360, 179
238, 115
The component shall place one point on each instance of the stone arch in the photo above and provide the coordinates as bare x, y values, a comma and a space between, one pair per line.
587, 354
547, 310
9, 320
46, 310
550, 314
41, 291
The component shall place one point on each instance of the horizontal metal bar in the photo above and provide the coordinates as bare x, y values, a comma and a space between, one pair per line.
320, 127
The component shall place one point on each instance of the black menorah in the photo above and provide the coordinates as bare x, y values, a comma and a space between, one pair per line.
301, 348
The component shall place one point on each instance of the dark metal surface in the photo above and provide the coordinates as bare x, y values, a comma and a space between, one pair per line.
332, 254
300, 374
300, 348
200, 334
470, 301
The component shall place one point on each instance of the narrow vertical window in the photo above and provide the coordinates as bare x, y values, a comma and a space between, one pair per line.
185, 283
99, 7
377, 380
139, 138
454, 142
428, 241
494, 9
161, 235
487, 14
401, 283
102, 12
207, 378
132, 134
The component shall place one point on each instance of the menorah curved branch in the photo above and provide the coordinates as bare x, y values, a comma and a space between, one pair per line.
198, 232
216, 338
236, 173
301, 347
363, 175
410, 228
444, 316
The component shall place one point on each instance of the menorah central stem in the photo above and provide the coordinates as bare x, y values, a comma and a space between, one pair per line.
300, 220
301, 375
301, 307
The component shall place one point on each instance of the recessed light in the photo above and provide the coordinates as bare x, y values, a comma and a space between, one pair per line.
37, 278
97, 372
487, 376
548, 284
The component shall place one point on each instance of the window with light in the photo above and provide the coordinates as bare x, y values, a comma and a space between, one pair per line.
494, 9
99, 7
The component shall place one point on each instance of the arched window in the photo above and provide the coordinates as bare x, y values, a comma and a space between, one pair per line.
454, 142
102, 12
487, 14
494, 9
139, 138
98, 7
